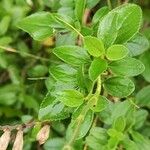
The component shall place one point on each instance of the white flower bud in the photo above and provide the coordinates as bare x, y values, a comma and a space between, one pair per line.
4, 139
43, 134
18, 144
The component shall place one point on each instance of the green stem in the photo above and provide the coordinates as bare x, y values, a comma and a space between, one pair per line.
91, 101
79, 121
38, 78
91, 91
24, 53
109, 4
98, 90
69, 25
134, 104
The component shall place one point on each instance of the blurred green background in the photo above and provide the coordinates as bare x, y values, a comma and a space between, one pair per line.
24, 68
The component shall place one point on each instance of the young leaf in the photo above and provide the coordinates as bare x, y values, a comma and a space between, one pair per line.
116, 52
97, 67
127, 67
71, 98
94, 46
101, 104
119, 86
119, 124
114, 141
38, 25
73, 55
63, 72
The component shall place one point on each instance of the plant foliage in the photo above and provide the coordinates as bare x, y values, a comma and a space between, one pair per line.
85, 73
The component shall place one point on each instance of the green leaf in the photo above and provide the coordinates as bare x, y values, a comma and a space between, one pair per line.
129, 21
137, 45
81, 78
94, 46
112, 132
100, 105
140, 118
97, 67
38, 71
140, 140
35, 130
71, 98
52, 109
26, 118
30, 102
107, 30
56, 86
65, 39
79, 9
8, 94
86, 31
100, 134
3, 60
85, 124
67, 3
97, 138
54, 144
113, 142
119, 86
99, 14
90, 3
5, 40
119, 124
143, 97
116, 52
38, 25
4, 24
129, 144
145, 58
127, 67
118, 26
73, 55
63, 72
67, 13
117, 109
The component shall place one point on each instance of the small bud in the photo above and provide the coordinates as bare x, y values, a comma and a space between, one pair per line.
18, 144
43, 134
4, 139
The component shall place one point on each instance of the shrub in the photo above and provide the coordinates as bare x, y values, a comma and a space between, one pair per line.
82, 83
